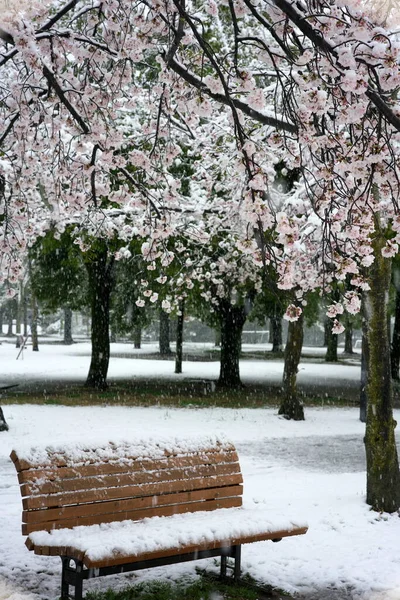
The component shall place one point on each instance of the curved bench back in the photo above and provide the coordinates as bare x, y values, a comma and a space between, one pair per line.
66, 487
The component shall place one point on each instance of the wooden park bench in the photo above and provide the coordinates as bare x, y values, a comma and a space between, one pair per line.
128, 506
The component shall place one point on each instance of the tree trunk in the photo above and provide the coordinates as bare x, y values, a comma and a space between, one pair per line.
332, 344
232, 320
395, 347
68, 327
19, 313
364, 366
10, 321
100, 271
3, 422
291, 407
165, 348
179, 338
137, 336
34, 323
217, 337
25, 316
348, 335
383, 477
276, 333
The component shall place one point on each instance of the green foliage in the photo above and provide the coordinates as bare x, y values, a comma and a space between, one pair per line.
58, 276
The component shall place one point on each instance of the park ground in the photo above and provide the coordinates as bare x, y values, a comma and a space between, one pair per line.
312, 470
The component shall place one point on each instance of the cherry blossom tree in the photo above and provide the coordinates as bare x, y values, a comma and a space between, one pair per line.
98, 99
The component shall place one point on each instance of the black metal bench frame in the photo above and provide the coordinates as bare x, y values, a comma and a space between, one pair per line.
73, 576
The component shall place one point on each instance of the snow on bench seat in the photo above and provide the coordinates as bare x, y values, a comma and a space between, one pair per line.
156, 537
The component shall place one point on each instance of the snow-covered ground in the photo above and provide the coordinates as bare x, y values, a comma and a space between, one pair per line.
71, 363
312, 470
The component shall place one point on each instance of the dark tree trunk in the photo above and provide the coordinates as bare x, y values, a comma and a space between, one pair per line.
218, 337
100, 271
383, 477
276, 333
1, 320
34, 323
364, 366
291, 407
348, 335
25, 316
232, 320
137, 336
179, 338
19, 312
3, 422
68, 326
395, 347
332, 339
164, 342
10, 321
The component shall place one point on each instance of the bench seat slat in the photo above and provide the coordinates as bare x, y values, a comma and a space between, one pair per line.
127, 478
153, 489
157, 537
55, 516
114, 468
159, 511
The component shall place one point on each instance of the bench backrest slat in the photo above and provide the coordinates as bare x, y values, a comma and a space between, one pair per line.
85, 487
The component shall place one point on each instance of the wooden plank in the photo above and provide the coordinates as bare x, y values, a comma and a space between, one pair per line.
57, 515
206, 545
59, 459
55, 473
159, 511
152, 489
119, 559
125, 479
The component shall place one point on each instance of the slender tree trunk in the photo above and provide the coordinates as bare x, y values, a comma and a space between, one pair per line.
68, 326
276, 333
19, 313
217, 337
383, 477
25, 316
1, 320
179, 337
348, 335
137, 336
10, 320
395, 347
232, 319
291, 406
34, 323
165, 348
331, 350
100, 271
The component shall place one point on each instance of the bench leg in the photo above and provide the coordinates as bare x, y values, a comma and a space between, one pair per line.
71, 576
235, 553
237, 556
64, 583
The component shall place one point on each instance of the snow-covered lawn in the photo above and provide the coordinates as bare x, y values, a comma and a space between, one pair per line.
313, 470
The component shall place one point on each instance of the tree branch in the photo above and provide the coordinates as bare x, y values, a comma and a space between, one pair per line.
319, 42
242, 106
60, 93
